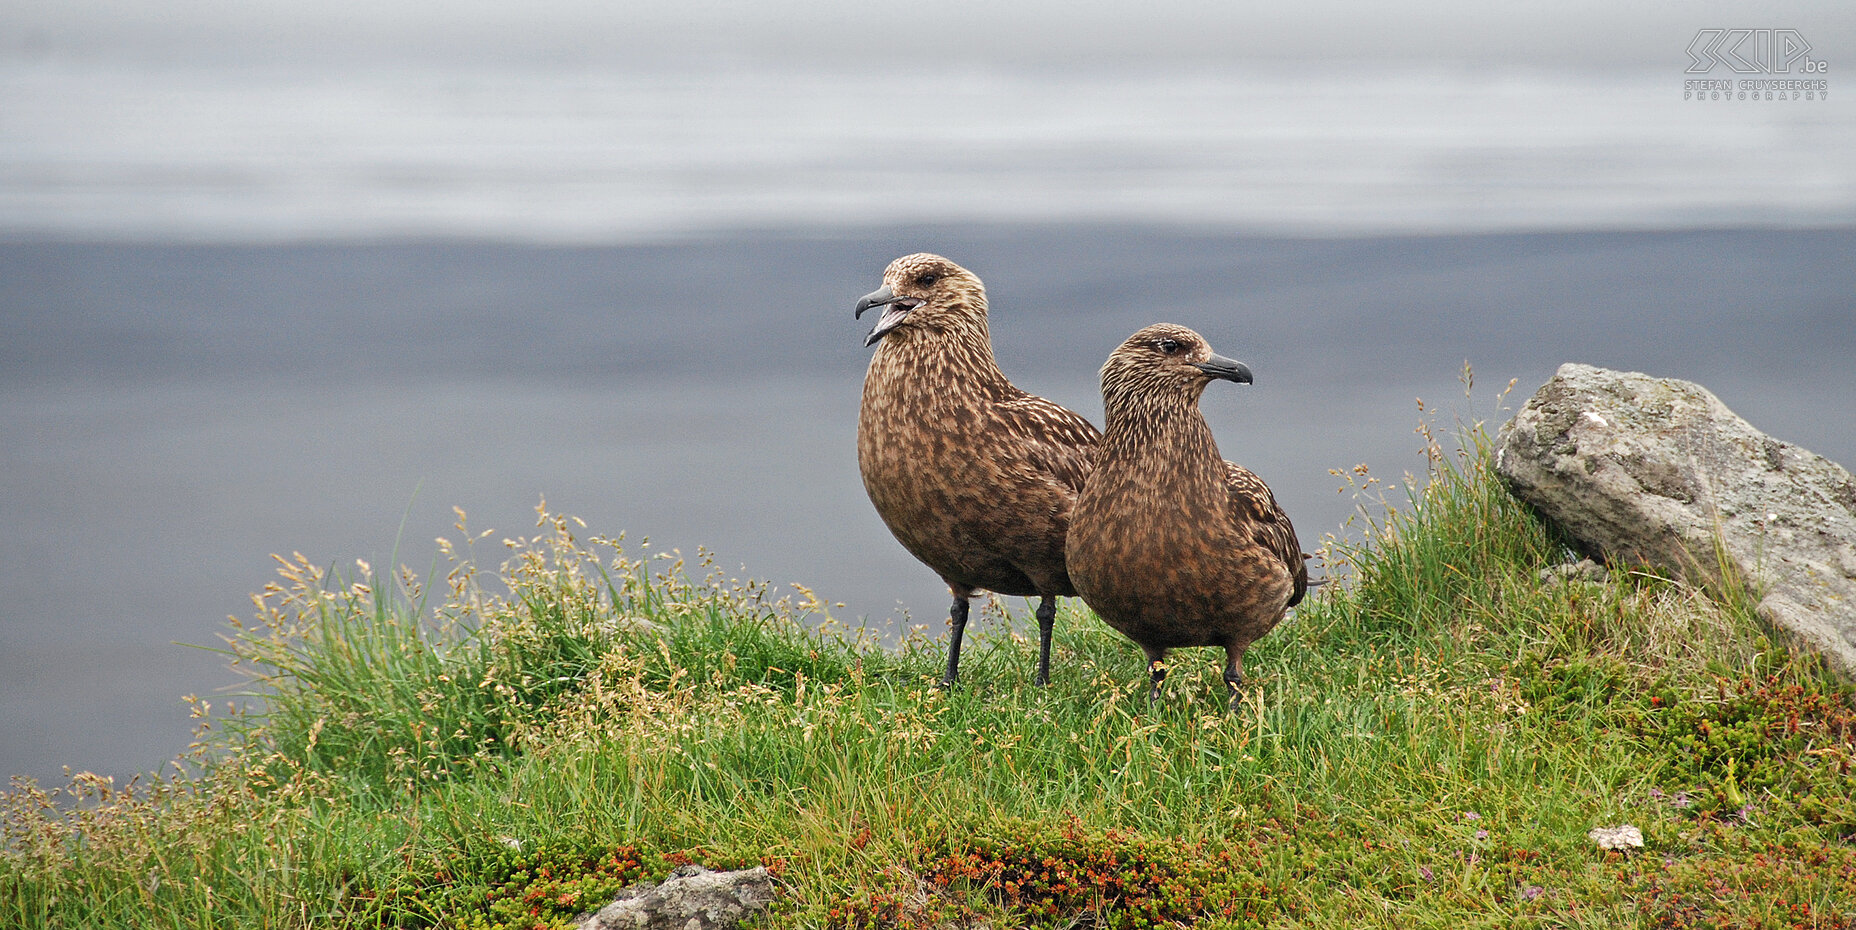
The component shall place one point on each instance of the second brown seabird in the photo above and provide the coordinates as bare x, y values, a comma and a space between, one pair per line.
975, 477
1169, 543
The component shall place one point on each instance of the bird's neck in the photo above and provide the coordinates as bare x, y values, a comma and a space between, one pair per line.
1171, 430
933, 359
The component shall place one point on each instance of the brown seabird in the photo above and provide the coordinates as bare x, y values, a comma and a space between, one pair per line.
1169, 543
974, 477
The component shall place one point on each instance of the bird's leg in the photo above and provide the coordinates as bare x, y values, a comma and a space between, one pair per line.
1047, 619
1156, 670
1234, 675
957, 623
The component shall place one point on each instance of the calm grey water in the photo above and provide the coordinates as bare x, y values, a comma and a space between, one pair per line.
172, 415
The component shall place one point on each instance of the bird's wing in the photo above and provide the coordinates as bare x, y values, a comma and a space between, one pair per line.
1057, 441
1255, 506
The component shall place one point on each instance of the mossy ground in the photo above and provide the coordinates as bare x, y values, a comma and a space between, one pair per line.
1426, 742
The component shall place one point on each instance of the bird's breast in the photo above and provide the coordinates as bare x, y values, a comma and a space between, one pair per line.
1148, 533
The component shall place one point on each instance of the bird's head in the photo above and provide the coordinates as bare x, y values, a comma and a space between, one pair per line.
924, 292
1166, 359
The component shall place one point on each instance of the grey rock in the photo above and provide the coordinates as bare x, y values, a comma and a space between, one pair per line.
691, 898
1623, 837
1658, 472
1584, 571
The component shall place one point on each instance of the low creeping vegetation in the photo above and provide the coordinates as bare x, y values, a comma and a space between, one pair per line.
1425, 743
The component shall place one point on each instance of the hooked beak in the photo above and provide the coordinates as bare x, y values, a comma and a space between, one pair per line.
1229, 369
894, 309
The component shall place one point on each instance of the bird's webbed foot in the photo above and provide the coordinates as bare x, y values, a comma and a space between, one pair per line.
1156, 670
1234, 684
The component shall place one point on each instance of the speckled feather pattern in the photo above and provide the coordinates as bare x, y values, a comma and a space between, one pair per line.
975, 477
1171, 544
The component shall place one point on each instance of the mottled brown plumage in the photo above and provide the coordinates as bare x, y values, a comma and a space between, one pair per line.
1169, 543
975, 477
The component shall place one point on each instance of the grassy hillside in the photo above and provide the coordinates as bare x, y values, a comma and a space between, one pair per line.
1425, 744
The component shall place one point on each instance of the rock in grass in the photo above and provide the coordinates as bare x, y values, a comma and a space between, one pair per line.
1622, 838
1658, 472
1584, 571
692, 898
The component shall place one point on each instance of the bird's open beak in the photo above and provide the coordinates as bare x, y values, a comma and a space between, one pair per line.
894, 309
1229, 369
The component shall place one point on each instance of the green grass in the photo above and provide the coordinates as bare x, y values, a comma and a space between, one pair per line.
1425, 743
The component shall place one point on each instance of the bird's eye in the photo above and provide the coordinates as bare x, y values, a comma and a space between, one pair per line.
927, 280
1169, 346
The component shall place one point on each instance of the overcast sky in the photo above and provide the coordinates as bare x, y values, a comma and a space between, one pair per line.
898, 34
611, 120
